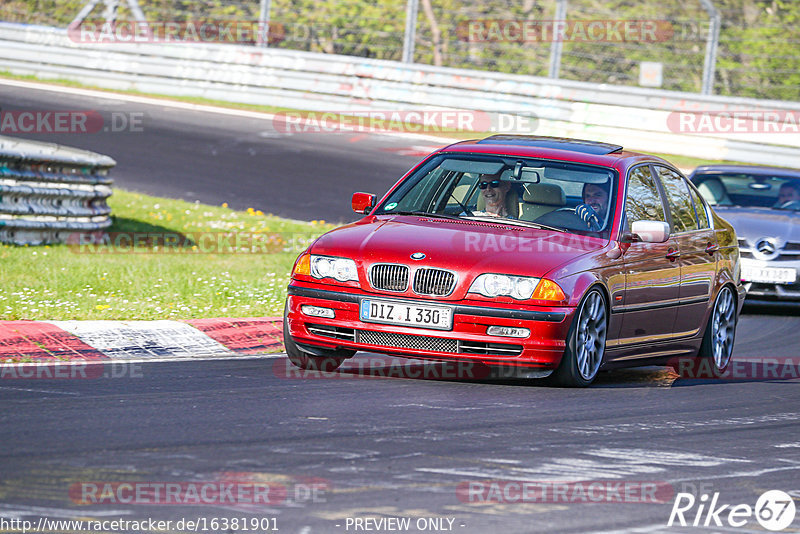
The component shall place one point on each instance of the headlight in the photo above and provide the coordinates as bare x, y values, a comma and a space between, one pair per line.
495, 285
341, 269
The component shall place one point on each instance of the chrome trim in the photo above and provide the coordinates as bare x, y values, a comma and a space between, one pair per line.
659, 354
331, 331
373, 286
661, 304
414, 282
479, 349
652, 338
460, 309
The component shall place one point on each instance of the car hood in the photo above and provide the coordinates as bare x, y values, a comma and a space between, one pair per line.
459, 245
752, 224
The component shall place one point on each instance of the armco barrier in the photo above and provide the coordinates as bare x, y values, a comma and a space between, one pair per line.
48, 192
635, 117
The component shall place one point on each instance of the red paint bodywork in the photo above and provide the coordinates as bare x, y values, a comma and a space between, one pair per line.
575, 263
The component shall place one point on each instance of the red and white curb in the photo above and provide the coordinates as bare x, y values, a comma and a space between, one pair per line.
32, 341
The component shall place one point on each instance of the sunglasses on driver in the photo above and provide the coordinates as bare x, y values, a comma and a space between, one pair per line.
494, 184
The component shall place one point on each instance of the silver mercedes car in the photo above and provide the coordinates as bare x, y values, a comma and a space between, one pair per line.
763, 205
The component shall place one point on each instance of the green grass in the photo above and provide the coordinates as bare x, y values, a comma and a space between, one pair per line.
154, 281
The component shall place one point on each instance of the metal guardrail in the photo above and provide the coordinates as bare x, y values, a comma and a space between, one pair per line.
48, 192
635, 117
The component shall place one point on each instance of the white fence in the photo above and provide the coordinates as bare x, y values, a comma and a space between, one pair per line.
49, 192
641, 119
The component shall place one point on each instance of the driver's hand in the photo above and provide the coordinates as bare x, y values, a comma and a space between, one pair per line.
588, 215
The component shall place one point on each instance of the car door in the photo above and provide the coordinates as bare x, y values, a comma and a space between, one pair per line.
698, 249
652, 272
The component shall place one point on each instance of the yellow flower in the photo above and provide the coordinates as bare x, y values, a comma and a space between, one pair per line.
102, 307
224, 204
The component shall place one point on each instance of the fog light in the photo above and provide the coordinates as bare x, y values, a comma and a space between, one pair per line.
316, 311
507, 331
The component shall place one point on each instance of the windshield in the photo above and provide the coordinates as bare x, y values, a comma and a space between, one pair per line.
749, 190
537, 193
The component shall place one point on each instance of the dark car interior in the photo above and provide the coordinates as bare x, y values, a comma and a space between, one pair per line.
745, 189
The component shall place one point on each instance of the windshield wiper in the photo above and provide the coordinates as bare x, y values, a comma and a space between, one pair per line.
516, 222
424, 214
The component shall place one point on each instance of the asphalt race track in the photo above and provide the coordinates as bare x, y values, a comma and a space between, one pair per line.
396, 447
362, 445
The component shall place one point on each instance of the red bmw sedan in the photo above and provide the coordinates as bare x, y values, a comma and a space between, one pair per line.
546, 255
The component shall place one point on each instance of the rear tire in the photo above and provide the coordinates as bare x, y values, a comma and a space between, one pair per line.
331, 360
586, 343
717, 345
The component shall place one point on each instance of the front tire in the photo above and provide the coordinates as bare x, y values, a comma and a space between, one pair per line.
717, 345
586, 342
328, 361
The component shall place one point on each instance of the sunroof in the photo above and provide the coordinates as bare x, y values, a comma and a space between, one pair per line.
560, 143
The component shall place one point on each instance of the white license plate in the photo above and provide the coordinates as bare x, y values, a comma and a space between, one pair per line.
769, 275
402, 313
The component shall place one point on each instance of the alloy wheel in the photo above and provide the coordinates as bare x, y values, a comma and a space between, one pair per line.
591, 335
723, 328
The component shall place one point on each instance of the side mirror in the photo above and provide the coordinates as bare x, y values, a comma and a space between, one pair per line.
363, 202
650, 231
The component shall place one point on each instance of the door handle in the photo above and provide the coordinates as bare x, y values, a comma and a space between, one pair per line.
712, 248
673, 254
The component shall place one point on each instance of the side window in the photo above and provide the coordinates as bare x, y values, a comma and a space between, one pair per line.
678, 199
700, 209
460, 190
643, 202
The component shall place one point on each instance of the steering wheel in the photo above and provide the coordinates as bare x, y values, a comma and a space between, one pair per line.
565, 218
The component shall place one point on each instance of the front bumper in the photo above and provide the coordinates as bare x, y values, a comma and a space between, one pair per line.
466, 341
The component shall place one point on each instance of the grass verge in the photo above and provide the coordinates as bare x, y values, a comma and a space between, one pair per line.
162, 259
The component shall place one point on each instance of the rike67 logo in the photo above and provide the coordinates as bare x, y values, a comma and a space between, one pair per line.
774, 510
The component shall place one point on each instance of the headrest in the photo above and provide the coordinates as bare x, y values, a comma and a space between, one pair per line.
549, 194
713, 191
